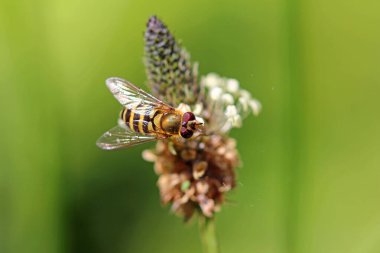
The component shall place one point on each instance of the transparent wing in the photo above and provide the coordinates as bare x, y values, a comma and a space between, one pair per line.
120, 137
130, 95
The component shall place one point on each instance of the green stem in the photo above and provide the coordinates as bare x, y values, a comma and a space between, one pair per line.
208, 236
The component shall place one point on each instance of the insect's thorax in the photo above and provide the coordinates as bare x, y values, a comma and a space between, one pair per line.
170, 122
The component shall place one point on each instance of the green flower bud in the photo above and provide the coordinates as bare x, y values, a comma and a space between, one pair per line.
170, 73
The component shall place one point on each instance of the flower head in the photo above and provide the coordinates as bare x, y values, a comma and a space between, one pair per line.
171, 75
194, 174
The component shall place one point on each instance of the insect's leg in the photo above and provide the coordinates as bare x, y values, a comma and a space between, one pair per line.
162, 136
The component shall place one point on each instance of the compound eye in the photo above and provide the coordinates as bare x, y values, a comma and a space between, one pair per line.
185, 133
187, 116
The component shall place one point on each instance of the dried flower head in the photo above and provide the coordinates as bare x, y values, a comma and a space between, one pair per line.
194, 174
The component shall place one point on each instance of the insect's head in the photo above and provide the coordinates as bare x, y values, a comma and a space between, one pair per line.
189, 125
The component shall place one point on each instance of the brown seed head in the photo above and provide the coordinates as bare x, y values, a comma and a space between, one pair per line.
198, 175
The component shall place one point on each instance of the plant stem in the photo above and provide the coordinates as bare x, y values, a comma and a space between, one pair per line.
208, 236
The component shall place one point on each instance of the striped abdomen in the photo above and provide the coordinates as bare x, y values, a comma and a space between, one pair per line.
147, 119
138, 118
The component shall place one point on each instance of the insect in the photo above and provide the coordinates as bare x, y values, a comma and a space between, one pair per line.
145, 118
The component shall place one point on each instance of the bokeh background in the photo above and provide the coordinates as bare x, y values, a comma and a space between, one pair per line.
310, 180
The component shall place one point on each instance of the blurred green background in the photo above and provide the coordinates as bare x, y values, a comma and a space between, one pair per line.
311, 164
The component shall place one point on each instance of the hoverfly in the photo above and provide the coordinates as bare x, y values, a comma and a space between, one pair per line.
145, 118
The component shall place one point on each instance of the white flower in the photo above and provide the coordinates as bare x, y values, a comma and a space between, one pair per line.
228, 98
197, 110
215, 93
255, 106
231, 111
200, 120
245, 94
212, 80
232, 85
244, 103
236, 121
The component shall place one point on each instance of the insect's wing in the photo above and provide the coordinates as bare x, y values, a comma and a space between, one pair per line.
130, 95
120, 137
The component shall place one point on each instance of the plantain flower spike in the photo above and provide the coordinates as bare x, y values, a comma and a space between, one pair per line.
194, 174
170, 73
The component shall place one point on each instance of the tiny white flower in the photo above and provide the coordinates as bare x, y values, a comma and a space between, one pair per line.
237, 122
228, 98
227, 126
245, 94
232, 85
149, 156
184, 107
244, 103
231, 111
197, 110
212, 80
255, 106
200, 120
215, 93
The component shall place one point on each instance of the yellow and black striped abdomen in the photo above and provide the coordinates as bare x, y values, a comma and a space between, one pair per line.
139, 118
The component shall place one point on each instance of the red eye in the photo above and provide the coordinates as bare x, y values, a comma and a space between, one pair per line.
185, 133
187, 116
